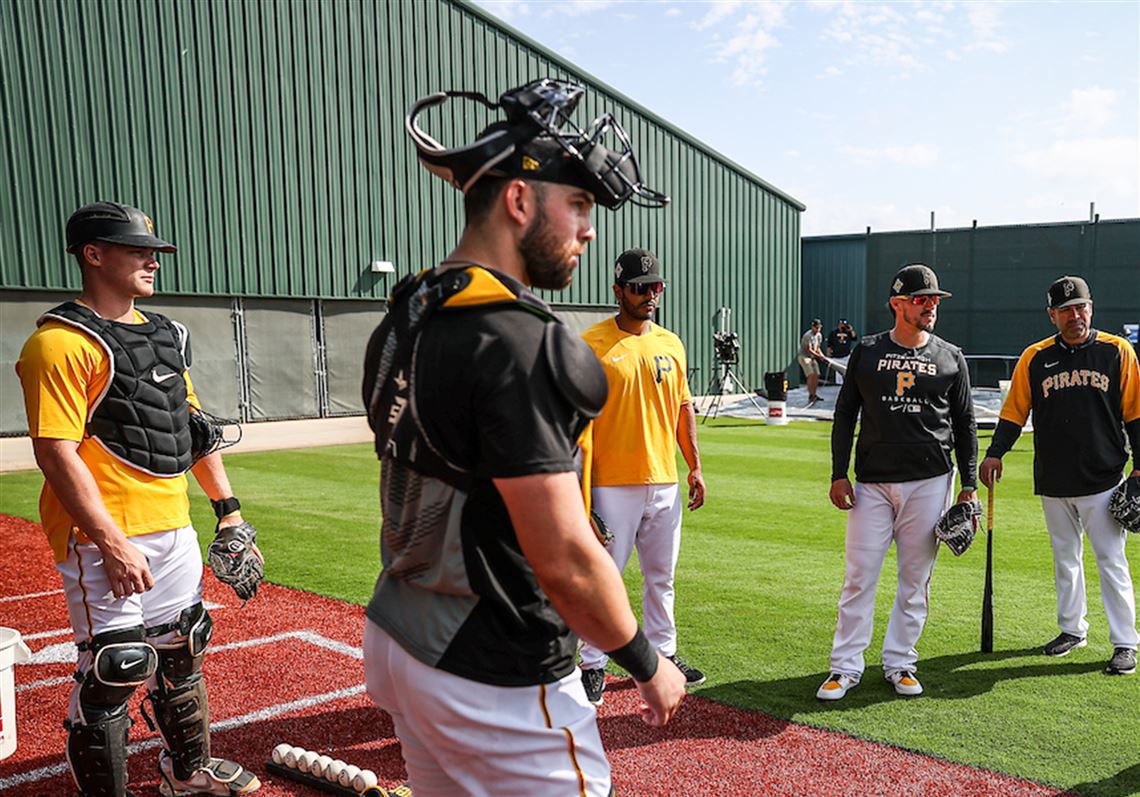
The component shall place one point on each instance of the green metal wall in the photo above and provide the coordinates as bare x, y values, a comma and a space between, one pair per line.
834, 282
266, 139
998, 275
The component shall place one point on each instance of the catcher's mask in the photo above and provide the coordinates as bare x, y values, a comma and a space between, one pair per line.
539, 141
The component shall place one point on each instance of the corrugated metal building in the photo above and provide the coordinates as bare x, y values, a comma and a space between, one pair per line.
998, 275
267, 142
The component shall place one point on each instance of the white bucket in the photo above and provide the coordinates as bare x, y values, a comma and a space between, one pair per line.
12, 650
777, 413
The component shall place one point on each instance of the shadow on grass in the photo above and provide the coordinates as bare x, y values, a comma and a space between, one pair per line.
943, 677
1123, 784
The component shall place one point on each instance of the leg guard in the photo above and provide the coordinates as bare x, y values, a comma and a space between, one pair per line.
97, 738
178, 698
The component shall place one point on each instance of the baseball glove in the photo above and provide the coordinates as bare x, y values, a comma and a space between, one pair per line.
600, 529
957, 527
235, 559
1124, 505
208, 433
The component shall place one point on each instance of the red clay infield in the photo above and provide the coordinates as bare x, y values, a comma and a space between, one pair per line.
287, 668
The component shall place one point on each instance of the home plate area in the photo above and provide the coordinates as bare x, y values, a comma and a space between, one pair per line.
287, 668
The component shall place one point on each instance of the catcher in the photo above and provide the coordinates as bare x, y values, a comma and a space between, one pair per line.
109, 404
1083, 388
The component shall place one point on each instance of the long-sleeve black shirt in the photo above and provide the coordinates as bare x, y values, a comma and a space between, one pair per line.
916, 409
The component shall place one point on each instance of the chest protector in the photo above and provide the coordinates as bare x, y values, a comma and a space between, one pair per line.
389, 376
142, 417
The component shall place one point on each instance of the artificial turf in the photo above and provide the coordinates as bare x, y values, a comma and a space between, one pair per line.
760, 572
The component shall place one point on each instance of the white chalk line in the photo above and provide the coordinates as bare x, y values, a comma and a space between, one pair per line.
260, 715
8, 598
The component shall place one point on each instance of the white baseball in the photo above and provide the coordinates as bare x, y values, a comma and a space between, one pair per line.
279, 752
365, 779
348, 775
305, 761
333, 770
292, 755
317, 768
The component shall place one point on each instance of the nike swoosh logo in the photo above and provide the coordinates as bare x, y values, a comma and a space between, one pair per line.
126, 665
896, 407
157, 377
615, 359
1050, 365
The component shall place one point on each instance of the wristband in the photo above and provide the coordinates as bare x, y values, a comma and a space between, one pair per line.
637, 657
227, 506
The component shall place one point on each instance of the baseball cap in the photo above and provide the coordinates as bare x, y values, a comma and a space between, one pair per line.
634, 266
916, 279
115, 223
1068, 291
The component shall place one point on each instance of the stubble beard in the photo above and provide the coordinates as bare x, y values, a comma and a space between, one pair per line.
549, 263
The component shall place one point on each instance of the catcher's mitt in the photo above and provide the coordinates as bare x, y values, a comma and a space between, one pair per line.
235, 559
600, 529
208, 433
957, 527
1125, 504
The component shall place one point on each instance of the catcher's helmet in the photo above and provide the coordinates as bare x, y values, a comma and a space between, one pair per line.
538, 141
114, 223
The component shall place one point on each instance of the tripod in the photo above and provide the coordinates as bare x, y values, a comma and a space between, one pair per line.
716, 387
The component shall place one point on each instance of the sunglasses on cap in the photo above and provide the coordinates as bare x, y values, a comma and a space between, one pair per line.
641, 288
925, 300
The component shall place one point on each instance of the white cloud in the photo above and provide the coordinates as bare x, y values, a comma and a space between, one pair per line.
577, 8
673, 12
913, 155
985, 23
506, 9
831, 71
1100, 165
749, 42
1090, 110
718, 11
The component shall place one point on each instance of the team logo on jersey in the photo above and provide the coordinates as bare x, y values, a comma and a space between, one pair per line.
1078, 377
529, 164
663, 365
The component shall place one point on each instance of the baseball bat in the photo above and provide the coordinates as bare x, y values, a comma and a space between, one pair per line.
988, 592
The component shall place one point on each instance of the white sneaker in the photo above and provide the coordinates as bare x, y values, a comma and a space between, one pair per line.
836, 686
905, 682
218, 776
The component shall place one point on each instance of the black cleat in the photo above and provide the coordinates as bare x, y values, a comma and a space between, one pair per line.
1123, 662
1064, 644
693, 676
594, 682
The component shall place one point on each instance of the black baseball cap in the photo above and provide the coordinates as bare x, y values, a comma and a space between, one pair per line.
115, 223
1068, 291
916, 279
634, 266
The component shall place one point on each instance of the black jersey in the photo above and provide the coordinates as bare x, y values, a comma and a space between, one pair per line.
1082, 398
485, 401
916, 407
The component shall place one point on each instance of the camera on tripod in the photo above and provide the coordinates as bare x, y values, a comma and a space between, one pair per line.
726, 347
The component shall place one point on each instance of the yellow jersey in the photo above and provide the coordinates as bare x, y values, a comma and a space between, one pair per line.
634, 438
63, 372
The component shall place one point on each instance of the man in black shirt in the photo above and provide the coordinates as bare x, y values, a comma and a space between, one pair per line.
840, 341
479, 396
913, 391
1083, 387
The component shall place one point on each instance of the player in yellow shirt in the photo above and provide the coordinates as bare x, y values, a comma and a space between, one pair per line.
634, 478
108, 398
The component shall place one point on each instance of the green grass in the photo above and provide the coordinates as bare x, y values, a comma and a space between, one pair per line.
760, 573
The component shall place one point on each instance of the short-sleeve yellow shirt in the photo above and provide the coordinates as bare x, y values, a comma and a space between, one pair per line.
63, 372
634, 440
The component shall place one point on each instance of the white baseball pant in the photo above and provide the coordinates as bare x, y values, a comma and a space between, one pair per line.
175, 562
462, 738
648, 517
1066, 518
905, 513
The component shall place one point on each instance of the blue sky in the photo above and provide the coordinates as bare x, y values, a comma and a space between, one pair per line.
875, 114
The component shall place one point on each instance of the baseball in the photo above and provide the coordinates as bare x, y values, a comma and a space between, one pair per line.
279, 753
348, 775
290, 757
317, 768
306, 761
365, 779
333, 770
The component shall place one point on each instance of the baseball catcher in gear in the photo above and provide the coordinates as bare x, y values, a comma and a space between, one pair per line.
958, 525
236, 560
1124, 506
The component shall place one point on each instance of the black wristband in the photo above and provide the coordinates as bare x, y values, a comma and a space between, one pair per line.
637, 657
227, 506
